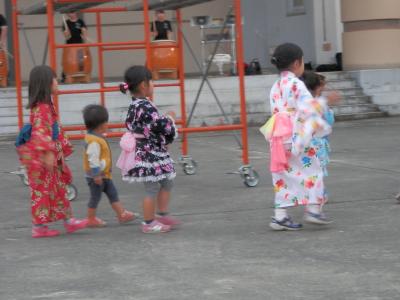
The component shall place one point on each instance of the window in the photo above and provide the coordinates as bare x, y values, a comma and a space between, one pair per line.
296, 7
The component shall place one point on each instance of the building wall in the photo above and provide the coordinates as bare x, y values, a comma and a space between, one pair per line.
355, 10
371, 38
266, 25
117, 27
328, 30
318, 32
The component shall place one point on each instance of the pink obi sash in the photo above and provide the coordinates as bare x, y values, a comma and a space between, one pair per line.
126, 160
278, 129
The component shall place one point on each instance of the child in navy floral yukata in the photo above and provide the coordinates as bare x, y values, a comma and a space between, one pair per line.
153, 165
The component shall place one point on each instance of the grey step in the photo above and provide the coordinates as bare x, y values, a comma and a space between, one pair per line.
357, 91
8, 129
361, 116
355, 109
11, 102
336, 75
11, 93
11, 120
354, 100
341, 84
11, 112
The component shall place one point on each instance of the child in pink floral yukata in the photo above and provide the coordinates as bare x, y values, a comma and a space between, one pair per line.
300, 180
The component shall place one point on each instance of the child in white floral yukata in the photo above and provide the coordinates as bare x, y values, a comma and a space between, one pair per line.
298, 179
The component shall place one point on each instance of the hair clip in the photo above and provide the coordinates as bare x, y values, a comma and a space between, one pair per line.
125, 86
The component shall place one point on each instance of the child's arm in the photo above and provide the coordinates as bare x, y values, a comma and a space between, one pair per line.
160, 125
165, 126
66, 145
93, 153
309, 118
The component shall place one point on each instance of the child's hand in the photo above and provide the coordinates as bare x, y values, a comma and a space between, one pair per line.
333, 98
49, 160
98, 180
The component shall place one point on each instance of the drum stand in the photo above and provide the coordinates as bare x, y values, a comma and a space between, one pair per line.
205, 79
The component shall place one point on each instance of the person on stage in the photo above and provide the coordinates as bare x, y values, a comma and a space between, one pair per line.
75, 32
74, 29
161, 28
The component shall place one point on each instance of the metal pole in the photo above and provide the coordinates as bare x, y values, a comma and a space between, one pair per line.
52, 42
240, 68
46, 50
10, 41
28, 44
17, 63
100, 55
210, 87
181, 71
147, 38
205, 75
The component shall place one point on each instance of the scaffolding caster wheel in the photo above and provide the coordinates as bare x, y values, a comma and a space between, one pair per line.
21, 173
72, 192
189, 165
249, 176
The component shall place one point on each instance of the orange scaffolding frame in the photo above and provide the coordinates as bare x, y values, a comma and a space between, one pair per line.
249, 176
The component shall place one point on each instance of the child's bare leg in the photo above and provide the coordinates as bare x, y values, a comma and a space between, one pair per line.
149, 209
151, 224
163, 198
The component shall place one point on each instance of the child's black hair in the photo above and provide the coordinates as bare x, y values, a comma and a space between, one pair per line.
285, 55
312, 80
40, 85
133, 77
94, 115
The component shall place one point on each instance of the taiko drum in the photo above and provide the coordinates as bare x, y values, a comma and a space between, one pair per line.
77, 64
3, 68
164, 61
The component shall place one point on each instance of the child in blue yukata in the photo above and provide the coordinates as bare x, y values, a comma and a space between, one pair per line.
315, 83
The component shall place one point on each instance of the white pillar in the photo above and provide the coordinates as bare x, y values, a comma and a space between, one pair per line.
328, 30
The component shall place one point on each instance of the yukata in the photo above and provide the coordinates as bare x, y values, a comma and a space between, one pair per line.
48, 188
154, 132
300, 182
322, 144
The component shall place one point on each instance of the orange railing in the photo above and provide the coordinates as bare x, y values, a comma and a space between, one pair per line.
103, 46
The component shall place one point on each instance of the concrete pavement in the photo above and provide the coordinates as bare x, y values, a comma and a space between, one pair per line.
224, 249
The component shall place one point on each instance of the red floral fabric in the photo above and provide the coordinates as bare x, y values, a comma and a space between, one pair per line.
48, 188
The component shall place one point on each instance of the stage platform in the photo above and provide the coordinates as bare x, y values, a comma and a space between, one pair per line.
39, 7
355, 105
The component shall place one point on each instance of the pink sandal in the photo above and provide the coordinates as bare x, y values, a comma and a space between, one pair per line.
44, 231
168, 220
74, 224
126, 216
